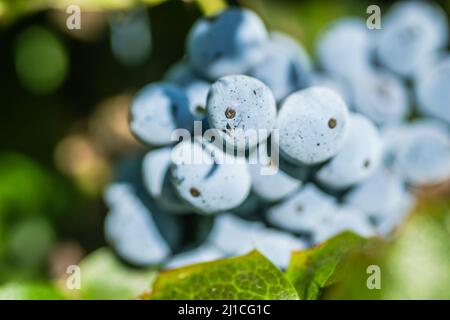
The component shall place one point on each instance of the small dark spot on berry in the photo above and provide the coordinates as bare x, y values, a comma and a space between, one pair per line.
228, 126
300, 208
254, 92
194, 192
332, 123
318, 144
230, 113
366, 163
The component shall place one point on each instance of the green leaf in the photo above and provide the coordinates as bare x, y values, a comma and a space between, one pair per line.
104, 277
29, 291
247, 277
313, 269
211, 7
11, 10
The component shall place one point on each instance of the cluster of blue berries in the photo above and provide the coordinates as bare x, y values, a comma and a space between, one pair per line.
345, 142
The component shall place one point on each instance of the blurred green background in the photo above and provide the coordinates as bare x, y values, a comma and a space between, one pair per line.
64, 97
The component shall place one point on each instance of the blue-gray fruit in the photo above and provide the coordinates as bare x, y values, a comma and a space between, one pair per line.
380, 96
157, 110
242, 109
433, 90
208, 179
302, 211
344, 48
131, 230
155, 176
359, 157
285, 67
269, 182
412, 31
236, 236
230, 43
313, 125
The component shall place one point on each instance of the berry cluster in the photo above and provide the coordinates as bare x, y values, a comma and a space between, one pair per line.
355, 135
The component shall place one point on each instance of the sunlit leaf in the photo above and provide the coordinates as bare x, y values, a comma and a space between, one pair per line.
251, 276
313, 269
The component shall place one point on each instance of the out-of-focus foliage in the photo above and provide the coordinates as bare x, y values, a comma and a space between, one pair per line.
313, 269
414, 266
29, 291
104, 277
41, 60
31, 201
11, 10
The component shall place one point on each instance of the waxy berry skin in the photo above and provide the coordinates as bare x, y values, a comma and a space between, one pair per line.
157, 110
207, 185
359, 157
242, 109
313, 125
229, 43
412, 31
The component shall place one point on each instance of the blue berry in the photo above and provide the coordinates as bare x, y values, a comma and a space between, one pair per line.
204, 253
412, 30
157, 110
181, 73
344, 219
243, 109
344, 48
209, 185
341, 86
230, 43
131, 230
302, 211
359, 157
269, 183
236, 236
285, 67
433, 90
380, 96
155, 175
383, 198
313, 125
197, 93
424, 157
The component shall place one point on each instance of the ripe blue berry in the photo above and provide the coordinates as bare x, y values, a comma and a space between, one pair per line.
344, 48
412, 30
229, 43
381, 97
197, 93
341, 86
285, 67
313, 125
243, 109
235, 236
358, 158
155, 176
424, 157
157, 110
302, 211
270, 183
433, 90
131, 230
344, 219
209, 185
383, 198
204, 253
182, 74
